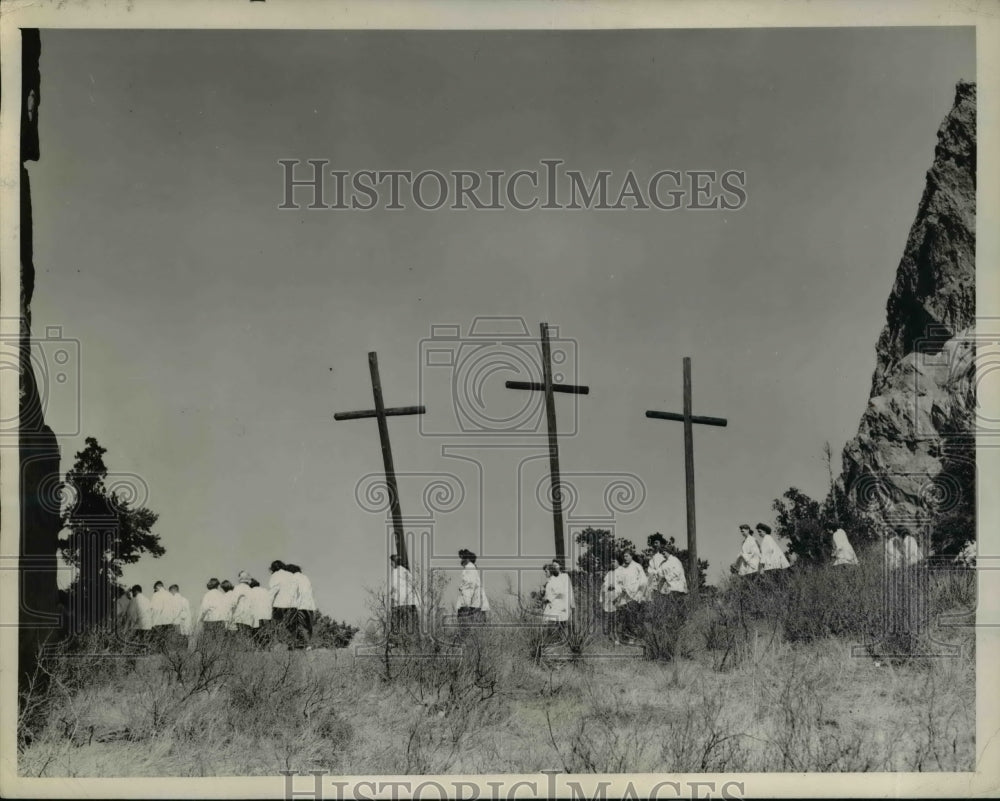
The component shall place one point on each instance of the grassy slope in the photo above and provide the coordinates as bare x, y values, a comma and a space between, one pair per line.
785, 707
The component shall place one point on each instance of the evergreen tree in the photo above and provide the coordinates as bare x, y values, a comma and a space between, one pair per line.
105, 531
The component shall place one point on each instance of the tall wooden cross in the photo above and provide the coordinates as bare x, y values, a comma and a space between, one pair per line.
689, 420
380, 413
550, 416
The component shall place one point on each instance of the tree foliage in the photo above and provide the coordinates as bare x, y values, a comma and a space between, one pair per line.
599, 549
328, 633
955, 521
798, 519
103, 531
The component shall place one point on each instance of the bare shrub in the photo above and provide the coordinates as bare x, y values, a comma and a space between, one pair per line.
663, 620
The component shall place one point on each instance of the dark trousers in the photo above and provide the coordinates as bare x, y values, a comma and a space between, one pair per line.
629, 620
163, 636
305, 626
263, 634
286, 624
214, 631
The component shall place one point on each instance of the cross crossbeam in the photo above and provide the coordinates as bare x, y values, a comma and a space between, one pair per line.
380, 413
550, 389
689, 421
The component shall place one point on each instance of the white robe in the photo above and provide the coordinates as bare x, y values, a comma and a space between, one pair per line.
243, 611
161, 608
609, 589
284, 590
749, 561
229, 605
470, 590
630, 582
654, 574
214, 607
140, 613
911, 550
843, 553
558, 598
892, 554
181, 613
260, 600
674, 579
121, 608
771, 555
306, 600
401, 591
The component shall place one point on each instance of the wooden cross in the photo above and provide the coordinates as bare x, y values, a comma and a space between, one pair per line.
550, 415
380, 413
689, 420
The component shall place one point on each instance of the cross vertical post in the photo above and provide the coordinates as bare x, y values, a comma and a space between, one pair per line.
550, 418
689, 479
689, 420
380, 413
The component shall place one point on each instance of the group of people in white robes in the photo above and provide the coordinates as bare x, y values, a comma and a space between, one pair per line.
405, 606
284, 610
628, 589
901, 551
165, 616
760, 551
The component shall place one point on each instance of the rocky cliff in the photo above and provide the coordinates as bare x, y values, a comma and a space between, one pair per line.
38, 617
910, 462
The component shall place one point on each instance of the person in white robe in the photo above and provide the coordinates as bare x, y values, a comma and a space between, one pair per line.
771, 555
260, 599
161, 614
748, 563
244, 614
230, 603
631, 583
664, 603
843, 553
404, 601
558, 595
284, 602
656, 560
121, 608
609, 592
305, 605
139, 612
912, 553
213, 611
181, 611
471, 603
892, 555
674, 580
632, 580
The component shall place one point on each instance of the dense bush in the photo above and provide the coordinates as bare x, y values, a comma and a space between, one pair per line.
891, 613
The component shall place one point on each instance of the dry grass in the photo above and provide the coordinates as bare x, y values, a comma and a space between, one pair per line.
739, 695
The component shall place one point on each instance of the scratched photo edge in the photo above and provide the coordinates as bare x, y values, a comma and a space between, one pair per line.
51, 13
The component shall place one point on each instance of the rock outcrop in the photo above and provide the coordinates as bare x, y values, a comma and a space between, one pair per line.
904, 468
38, 617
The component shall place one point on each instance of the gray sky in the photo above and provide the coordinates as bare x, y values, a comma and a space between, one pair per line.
209, 320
